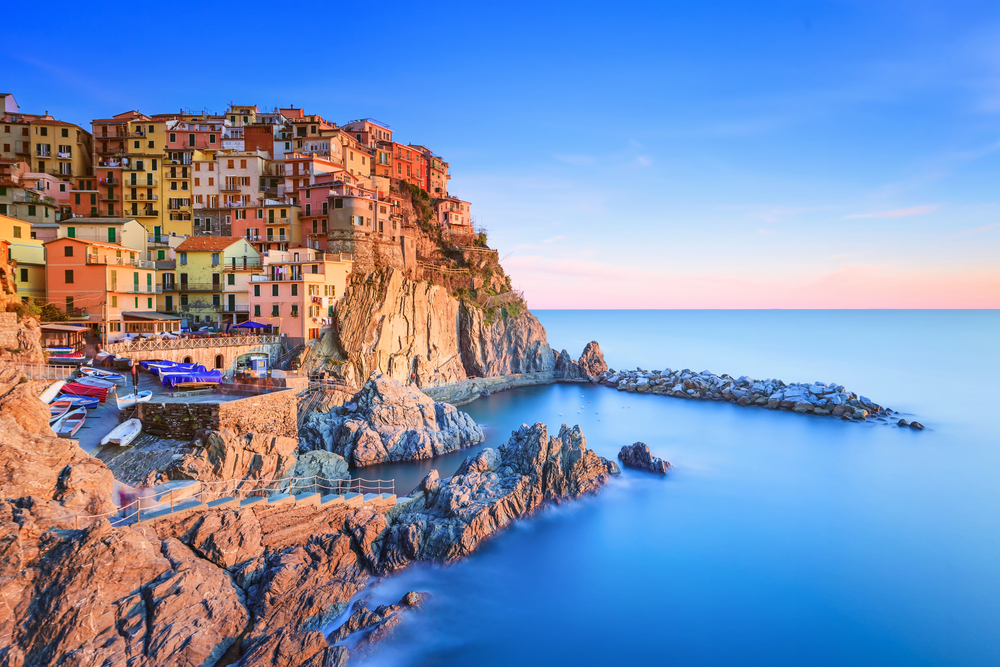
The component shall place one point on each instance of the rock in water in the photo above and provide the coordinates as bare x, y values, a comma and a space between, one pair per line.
637, 455
387, 421
917, 426
592, 360
446, 519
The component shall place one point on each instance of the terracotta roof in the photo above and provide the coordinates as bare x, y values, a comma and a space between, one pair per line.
208, 243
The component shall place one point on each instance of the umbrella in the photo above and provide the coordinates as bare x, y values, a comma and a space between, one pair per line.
252, 325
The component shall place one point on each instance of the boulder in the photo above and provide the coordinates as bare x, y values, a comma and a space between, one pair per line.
592, 360
916, 426
256, 458
387, 421
325, 467
637, 455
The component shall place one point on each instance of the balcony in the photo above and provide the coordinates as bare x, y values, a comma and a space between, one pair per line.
294, 278
199, 287
109, 181
229, 187
119, 261
65, 156
165, 264
141, 197
40, 153
109, 197
135, 288
235, 308
144, 213
141, 183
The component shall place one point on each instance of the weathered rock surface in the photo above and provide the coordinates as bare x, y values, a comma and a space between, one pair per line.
378, 624
592, 360
257, 458
325, 466
407, 330
637, 455
387, 421
818, 398
447, 519
506, 346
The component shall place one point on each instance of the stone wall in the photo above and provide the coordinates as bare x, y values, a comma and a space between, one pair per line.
8, 331
373, 252
275, 414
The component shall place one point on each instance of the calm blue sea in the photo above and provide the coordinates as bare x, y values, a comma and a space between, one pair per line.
778, 539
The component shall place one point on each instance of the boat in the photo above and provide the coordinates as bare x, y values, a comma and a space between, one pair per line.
95, 382
58, 409
79, 401
71, 422
123, 434
52, 391
77, 389
103, 375
66, 355
59, 349
129, 400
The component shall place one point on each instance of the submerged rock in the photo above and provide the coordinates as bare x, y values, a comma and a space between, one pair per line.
387, 421
637, 455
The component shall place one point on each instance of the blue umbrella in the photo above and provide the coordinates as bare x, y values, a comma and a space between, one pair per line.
252, 325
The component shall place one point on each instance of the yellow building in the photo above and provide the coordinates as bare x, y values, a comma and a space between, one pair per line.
60, 149
29, 254
142, 173
212, 279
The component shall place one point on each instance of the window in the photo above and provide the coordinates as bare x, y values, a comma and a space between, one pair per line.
173, 137
149, 302
315, 268
230, 278
197, 182
231, 163
31, 209
284, 213
17, 232
256, 290
295, 289
151, 144
308, 209
295, 310
76, 199
114, 301
45, 131
69, 304
218, 361
69, 276
274, 290
184, 258
256, 310
68, 251
152, 128
215, 258
324, 208
274, 310
136, 143
24, 275
243, 164
338, 203
211, 139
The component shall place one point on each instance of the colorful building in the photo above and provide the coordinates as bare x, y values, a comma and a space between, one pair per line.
29, 254
454, 214
212, 278
298, 290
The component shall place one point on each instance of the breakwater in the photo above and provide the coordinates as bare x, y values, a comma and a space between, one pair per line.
817, 398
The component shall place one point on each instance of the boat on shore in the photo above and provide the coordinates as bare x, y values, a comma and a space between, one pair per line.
123, 434
78, 401
129, 400
52, 391
70, 423
103, 375
57, 410
59, 349
95, 382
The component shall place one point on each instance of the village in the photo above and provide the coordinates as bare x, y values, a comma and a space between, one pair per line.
154, 226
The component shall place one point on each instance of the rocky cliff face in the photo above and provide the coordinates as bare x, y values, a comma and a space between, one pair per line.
387, 421
229, 455
505, 346
404, 329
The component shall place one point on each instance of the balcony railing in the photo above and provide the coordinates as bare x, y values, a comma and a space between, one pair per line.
135, 288
141, 197
281, 279
144, 213
109, 181
119, 261
198, 287
235, 308
142, 182
65, 156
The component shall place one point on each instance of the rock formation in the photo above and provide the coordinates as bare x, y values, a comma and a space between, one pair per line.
505, 346
447, 519
321, 464
405, 329
387, 421
637, 455
818, 398
377, 624
590, 364
259, 458
592, 359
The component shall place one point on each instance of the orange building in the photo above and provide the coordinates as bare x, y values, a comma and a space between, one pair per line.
410, 163
97, 281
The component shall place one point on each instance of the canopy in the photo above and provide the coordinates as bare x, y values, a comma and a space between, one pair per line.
175, 368
252, 325
209, 377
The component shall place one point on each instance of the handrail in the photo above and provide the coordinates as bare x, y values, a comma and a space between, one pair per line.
189, 343
241, 489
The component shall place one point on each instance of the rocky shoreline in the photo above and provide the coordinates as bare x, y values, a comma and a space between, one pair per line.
816, 398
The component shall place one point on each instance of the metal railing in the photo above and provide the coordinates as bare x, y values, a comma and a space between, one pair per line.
120, 261
46, 371
148, 344
241, 489
196, 287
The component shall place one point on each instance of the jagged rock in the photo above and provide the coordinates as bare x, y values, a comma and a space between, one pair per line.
916, 426
226, 455
637, 455
567, 368
902, 422
325, 466
447, 519
377, 624
592, 360
408, 330
505, 346
388, 421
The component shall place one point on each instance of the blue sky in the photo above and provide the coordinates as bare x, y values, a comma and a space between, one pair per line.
713, 154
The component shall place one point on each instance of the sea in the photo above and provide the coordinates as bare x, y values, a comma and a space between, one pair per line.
776, 538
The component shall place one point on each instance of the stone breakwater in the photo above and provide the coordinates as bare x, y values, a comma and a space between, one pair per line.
817, 398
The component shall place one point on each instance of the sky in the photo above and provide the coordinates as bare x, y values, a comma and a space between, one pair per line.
620, 155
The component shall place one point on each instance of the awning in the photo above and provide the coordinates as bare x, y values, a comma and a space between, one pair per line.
252, 325
64, 327
157, 317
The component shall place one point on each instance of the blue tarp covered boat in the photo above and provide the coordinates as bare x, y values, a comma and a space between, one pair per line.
192, 379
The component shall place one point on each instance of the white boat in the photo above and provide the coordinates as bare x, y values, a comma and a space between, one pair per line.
52, 391
130, 400
103, 375
71, 422
95, 382
123, 434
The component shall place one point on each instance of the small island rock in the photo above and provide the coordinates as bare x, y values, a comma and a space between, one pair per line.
637, 455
